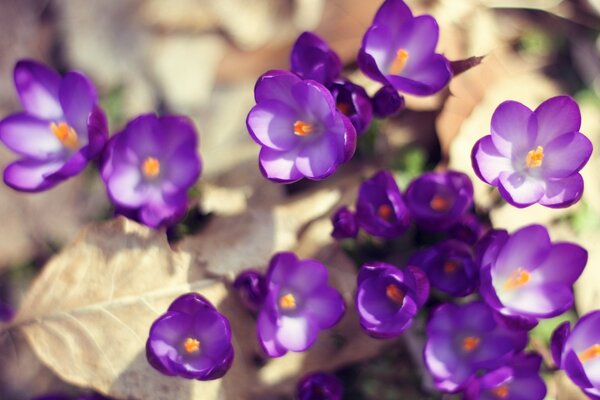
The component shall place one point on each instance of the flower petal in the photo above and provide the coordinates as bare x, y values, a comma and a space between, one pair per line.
326, 307
37, 86
29, 136
279, 166
431, 77
487, 161
271, 123
519, 189
510, 129
125, 186
563, 264
560, 193
77, 97
526, 248
319, 159
420, 41
555, 117
296, 333
29, 175
276, 85
267, 332
566, 155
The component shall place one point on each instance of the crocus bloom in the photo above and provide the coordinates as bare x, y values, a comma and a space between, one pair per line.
353, 102
149, 166
344, 224
517, 380
380, 208
526, 277
386, 101
437, 200
462, 339
312, 58
301, 131
468, 229
577, 352
192, 340
300, 303
399, 49
319, 386
251, 288
60, 131
388, 298
450, 267
534, 156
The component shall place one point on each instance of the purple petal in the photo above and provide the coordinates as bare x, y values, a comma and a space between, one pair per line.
519, 189
319, 159
315, 100
573, 367
419, 38
267, 332
326, 306
77, 97
543, 301
392, 13
510, 129
29, 175
555, 117
97, 128
276, 85
560, 193
72, 167
296, 333
566, 155
526, 248
126, 187
164, 210
557, 342
564, 263
271, 123
430, 78
145, 139
37, 86
487, 161
350, 138
417, 278
279, 166
304, 276
184, 171
29, 136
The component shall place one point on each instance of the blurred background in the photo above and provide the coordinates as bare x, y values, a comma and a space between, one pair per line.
201, 58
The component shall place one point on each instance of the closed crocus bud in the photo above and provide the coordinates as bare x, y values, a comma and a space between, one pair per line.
386, 102
344, 224
312, 58
319, 386
191, 340
354, 103
468, 229
251, 287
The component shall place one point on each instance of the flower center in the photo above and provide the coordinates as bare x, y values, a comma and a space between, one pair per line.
518, 278
450, 266
394, 293
385, 212
151, 167
439, 203
66, 134
500, 392
535, 157
287, 302
399, 62
470, 343
302, 128
191, 345
344, 108
590, 353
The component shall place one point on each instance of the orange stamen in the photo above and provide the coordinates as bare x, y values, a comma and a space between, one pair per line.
399, 62
287, 302
151, 167
191, 345
385, 212
590, 353
535, 157
450, 266
439, 203
66, 134
394, 293
518, 278
470, 343
302, 128
344, 108
500, 392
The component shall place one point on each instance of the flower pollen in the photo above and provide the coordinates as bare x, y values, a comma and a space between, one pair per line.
590, 353
287, 302
302, 128
470, 343
151, 167
535, 157
500, 392
385, 212
451, 266
394, 293
191, 345
439, 203
399, 62
66, 134
518, 278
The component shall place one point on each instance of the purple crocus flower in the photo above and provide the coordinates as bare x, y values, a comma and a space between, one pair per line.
437, 200
517, 380
251, 288
388, 298
149, 166
468, 229
462, 339
399, 49
450, 267
301, 131
386, 102
300, 303
191, 340
577, 352
534, 156
344, 223
60, 131
526, 277
354, 102
319, 386
380, 208
312, 58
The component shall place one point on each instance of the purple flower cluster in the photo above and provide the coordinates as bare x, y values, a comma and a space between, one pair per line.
319, 386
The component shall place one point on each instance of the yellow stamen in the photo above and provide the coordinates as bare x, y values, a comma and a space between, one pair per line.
399, 62
450, 266
535, 157
500, 392
385, 212
302, 128
191, 345
151, 167
518, 278
344, 108
66, 135
439, 203
394, 293
590, 353
287, 302
470, 343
